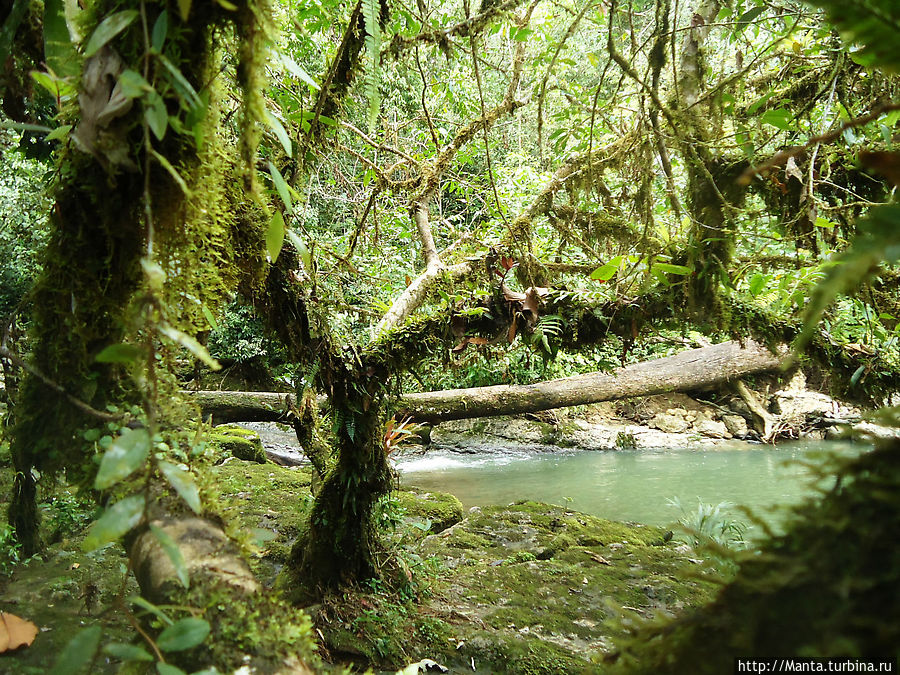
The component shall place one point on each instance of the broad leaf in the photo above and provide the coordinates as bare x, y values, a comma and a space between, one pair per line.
291, 66
108, 29
150, 607
171, 171
15, 632
184, 484
126, 652
606, 272
183, 634
174, 553
281, 187
59, 52
168, 669
302, 249
184, 9
116, 521
275, 236
160, 30
127, 453
156, 114
80, 651
119, 353
278, 129
668, 268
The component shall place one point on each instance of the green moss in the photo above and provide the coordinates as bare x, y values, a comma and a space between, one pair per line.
440, 509
238, 442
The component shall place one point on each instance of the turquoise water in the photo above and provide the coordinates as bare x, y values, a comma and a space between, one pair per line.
622, 485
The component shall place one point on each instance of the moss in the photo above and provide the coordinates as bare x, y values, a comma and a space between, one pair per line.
440, 509
238, 442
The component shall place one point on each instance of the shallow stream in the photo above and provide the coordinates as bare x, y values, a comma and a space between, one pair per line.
631, 485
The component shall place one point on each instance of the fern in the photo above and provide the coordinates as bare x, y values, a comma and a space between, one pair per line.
371, 10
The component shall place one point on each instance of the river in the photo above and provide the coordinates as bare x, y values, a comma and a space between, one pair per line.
631, 485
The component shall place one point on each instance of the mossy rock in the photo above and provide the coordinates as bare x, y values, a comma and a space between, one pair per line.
440, 509
535, 588
236, 441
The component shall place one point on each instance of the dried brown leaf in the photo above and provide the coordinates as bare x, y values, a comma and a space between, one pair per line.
15, 632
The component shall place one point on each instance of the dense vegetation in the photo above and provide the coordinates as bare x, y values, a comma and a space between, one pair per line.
356, 200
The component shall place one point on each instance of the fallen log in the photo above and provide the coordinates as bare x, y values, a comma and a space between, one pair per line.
686, 371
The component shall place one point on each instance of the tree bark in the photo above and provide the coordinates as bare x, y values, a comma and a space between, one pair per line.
689, 370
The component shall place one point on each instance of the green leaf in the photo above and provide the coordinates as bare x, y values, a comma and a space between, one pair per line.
116, 521
59, 52
281, 187
164, 163
156, 114
302, 249
184, 9
668, 268
79, 652
209, 317
822, 222
779, 118
291, 66
174, 552
108, 29
757, 283
183, 634
605, 272
150, 607
190, 344
184, 88
160, 30
119, 353
126, 652
275, 236
57, 87
25, 126
856, 375
278, 129
59, 133
127, 453
168, 669
184, 484
132, 84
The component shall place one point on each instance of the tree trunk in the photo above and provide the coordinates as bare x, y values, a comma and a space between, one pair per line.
686, 371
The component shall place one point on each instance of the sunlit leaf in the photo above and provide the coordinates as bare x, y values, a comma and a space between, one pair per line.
281, 187
291, 66
119, 353
79, 651
668, 268
302, 249
174, 552
280, 133
184, 484
108, 29
127, 453
59, 52
116, 521
184, 9
209, 317
59, 133
190, 344
183, 634
275, 236
606, 272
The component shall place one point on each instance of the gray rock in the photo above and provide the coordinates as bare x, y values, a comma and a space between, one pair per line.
672, 421
712, 429
736, 425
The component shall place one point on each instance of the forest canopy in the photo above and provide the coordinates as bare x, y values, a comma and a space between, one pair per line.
346, 202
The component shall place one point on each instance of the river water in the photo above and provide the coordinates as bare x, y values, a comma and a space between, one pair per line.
631, 485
